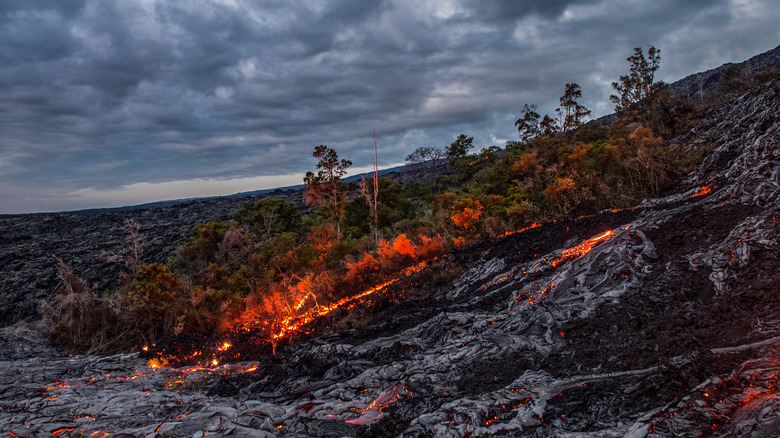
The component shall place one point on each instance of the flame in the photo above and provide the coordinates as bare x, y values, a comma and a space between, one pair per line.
293, 323
157, 362
225, 346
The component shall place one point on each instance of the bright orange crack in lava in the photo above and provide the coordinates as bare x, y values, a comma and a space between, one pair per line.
582, 248
702, 191
372, 412
294, 323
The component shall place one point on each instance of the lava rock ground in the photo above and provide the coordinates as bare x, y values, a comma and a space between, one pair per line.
29, 244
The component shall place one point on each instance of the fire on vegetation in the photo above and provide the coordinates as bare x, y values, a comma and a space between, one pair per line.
273, 324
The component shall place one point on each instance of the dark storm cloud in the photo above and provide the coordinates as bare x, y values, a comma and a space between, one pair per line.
100, 95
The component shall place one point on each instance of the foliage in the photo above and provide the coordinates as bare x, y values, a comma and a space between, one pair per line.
459, 148
427, 157
269, 216
79, 321
573, 113
325, 189
638, 84
528, 123
156, 302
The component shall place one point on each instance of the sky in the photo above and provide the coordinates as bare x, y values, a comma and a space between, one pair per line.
119, 102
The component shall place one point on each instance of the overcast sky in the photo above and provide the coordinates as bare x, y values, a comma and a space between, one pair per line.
117, 102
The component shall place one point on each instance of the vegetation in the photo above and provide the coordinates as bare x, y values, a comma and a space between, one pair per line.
271, 263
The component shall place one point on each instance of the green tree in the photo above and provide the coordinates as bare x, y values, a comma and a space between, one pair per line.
155, 302
528, 124
638, 84
460, 147
324, 189
573, 113
269, 216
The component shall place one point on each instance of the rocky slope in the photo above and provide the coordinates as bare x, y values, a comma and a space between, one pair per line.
706, 81
662, 320
30, 243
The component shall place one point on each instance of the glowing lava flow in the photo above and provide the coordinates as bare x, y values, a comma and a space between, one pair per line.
509, 233
702, 191
294, 323
582, 248
373, 412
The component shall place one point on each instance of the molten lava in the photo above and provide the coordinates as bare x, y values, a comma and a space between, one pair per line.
702, 191
373, 412
293, 323
582, 249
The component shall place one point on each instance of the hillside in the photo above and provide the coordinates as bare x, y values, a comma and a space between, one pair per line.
658, 320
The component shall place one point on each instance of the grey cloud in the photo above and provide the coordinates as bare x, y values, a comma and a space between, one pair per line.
104, 94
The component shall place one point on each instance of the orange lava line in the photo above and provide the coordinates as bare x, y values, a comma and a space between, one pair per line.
295, 322
583, 248
703, 191
509, 233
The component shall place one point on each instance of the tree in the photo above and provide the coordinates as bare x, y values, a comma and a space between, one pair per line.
573, 113
325, 189
269, 216
372, 194
528, 124
638, 84
426, 156
549, 126
458, 148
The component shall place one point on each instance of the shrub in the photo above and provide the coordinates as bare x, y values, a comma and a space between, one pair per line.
155, 303
77, 320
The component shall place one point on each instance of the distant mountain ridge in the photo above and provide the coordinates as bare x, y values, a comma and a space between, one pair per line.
705, 81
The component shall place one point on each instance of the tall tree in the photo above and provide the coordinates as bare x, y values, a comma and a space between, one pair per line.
638, 84
573, 114
528, 124
324, 188
426, 156
460, 147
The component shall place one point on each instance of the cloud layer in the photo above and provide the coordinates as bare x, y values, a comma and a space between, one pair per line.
114, 102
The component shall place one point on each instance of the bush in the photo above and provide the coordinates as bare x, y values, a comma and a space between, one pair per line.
77, 320
155, 303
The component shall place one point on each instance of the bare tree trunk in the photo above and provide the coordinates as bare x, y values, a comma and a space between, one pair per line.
372, 200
